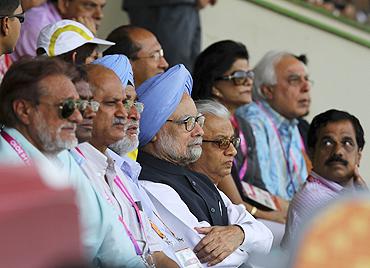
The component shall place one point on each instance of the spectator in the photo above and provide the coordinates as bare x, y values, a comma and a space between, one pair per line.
106, 177
39, 116
70, 41
88, 12
11, 17
171, 21
142, 48
282, 94
170, 139
335, 144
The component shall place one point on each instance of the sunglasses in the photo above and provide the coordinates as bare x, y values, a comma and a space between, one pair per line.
20, 17
224, 143
238, 77
190, 121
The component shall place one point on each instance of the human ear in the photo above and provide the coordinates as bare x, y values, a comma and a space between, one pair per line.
216, 92
267, 91
23, 110
62, 6
4, 26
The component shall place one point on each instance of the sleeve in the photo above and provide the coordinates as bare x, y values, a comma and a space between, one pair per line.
178, 217
257, 237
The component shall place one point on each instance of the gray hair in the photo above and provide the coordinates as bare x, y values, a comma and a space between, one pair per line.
264, 71
213, 107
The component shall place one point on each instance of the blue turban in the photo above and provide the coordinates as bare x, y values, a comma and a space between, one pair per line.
161, 95
120, 65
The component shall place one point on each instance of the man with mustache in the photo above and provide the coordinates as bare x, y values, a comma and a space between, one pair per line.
190, 204
38, 116
335, 144
281, 94
108, 180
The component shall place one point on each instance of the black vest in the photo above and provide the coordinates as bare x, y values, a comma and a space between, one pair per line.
195, 189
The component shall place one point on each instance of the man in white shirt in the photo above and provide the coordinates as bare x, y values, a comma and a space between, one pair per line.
106, 177
170, 138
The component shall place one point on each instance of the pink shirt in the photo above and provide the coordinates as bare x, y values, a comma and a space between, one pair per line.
35, 19
315, 193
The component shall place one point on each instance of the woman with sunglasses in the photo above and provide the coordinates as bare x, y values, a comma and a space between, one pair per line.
222, 73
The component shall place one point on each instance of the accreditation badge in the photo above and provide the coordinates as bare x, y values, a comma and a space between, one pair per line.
187, 258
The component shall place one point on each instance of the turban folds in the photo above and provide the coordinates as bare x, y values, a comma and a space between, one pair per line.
120, 65
161, 95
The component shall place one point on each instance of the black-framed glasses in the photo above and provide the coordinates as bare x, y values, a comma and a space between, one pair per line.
139, 106
83, 104
157, 55
20, 16
224, 143
190, 121
238, 77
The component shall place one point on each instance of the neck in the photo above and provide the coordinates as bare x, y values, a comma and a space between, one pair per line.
100, 147
200, 169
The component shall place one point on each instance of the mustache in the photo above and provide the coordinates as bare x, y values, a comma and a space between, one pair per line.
132, 123
336, 158
69, 125
119, 121
196, 141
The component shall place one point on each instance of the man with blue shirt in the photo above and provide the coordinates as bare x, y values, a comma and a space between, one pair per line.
282, 94
38, 116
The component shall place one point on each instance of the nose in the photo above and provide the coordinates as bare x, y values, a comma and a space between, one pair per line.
98, 13
121, 111
89, 113
163, 64
231, 151
134, 114
197, 131
76, 117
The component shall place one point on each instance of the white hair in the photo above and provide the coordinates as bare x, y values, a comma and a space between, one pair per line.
213, 107
264, 71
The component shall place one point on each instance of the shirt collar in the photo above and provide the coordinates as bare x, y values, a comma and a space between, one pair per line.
328, 183
127, 165
95, 156
278, 119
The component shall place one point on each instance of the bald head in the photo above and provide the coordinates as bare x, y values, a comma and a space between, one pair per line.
142, 48
101, 78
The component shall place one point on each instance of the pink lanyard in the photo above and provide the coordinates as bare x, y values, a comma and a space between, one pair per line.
295, 165
120, 218
243, 147
17, 147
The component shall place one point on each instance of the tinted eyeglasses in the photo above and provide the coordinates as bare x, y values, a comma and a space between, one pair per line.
157, 55
190, 121
20, 17
67, 107
224, 143
238, 77
296, 80
83, 104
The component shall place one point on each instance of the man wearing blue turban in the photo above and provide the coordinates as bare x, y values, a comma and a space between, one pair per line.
189, 203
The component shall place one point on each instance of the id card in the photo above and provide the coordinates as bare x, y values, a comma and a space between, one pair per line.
188, 259
258, 195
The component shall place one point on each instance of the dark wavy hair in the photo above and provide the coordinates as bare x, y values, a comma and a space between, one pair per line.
7, 7
321, 120
213, 62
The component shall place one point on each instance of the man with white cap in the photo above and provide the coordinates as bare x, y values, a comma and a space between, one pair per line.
171, 133
71, 41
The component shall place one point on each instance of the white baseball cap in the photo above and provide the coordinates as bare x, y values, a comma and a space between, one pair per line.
66, 35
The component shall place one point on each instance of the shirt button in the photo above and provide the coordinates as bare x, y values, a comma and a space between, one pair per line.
213, 210
194, 183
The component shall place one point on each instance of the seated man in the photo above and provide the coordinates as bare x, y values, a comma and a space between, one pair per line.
281, 92
39, 116
70, 41
170, 139
335, 143
142, 48
108, 180
88, 12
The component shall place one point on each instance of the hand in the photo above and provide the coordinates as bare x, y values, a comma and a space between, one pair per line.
283, 204
203, 3
219, 242
358, 181
88, 22
277, 216
27, 4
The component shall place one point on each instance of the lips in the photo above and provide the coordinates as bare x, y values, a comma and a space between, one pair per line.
132, 130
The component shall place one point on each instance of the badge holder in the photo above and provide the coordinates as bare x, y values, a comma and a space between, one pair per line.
186, 256
261, 197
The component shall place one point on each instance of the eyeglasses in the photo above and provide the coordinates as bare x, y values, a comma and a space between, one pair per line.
190, 121
20, 17
83, 104
139, 106
224, 143
238, 77
68, 107
297, 80
157, 55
